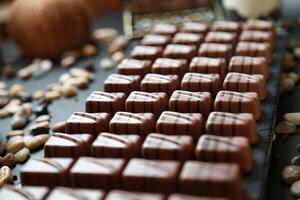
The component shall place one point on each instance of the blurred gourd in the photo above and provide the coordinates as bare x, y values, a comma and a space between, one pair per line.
48, 28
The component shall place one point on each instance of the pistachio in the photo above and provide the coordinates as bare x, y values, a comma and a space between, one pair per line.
5, 175
14, 144
22, 155
36, 141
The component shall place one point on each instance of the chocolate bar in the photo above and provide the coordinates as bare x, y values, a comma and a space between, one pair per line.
206, 65
211, 179
134, 67
257, 36
48, 172
212, 148
92, 123
160, 83
174, 123
105, 102
230, 124
66, 145
194, 27
187, 39
191, 102
259, 25
168, 147
156, 40
249, 65
122, 83
189, 197
150, 175
180, 51
8, 192
226, 26
196, 82
116, 146
103, 173
65, 193
168, 66
132, 123
144, 102
164, 29
254, 49
240, 82
238, 102
125, 195
216, 50
146, 52
221, 37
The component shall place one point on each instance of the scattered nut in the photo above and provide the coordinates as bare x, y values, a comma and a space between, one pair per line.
9, 71
285, 127
42, 118
52, 95
293, 118
11, 134
5, 175
2, 85
287, 84
118, 44
14, 144
106, 63
7, 160
36, 141
118, 56
294, 76
105, 35
39, 128
89, 50
291, 174
16, 89
69, 90
39, 95
22, 155
68, 61
297, 52
24, 73
18, 122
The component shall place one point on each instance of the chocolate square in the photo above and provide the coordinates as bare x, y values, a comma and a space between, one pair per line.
196, 82
66, 145
226, 26
150, 175
216, 50
164, 29
180, 51
168, 147
254, 49
116, 146
156, 40
134, 67
105, 102
125, 195
187, 39
103, 173
221, 37
189, 197
191, 102
168, 66
8, 192
122, 83
259, 25
194, 27
65, 193
92, 123
257, 36
49, 172
146, 52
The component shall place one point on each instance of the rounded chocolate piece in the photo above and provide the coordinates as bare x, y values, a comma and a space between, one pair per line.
168, 66
122, 83
194, 27
254, 49
164, 29
187, 39
216, 50
180, 51
156, 40
226, 26
146, 52
134, 67
221, 37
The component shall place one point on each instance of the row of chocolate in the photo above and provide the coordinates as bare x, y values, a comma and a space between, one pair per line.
141, 175
65, 193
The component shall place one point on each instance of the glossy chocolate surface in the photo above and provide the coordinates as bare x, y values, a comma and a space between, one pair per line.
122, 83
216, 50
146, 52
130, 66
164, 29
187, 39
168, 66
221, 37
194, 27
254, 49
180, 51
8, 192
226, 26
64, 193
125, 195
156, 40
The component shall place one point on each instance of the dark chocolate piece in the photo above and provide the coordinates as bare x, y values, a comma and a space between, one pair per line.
64, 193
168, 66
156, 40
49, 172
164, 29
132, 123
221, 37
116, 146
230, 124
189, 197
105, 102
174, 123
194, 27
254, 49
211, 179
180, 51
103, 173
226, 26
144, 102
216, 50
212, 148
187, 39
146, 52
259, 25
134, 67
125, 195
66, 145
150, 175
257, 36
168, 147
196, 82
238, 102
8, 192
92, 123
191, 102
122, 83
160, 83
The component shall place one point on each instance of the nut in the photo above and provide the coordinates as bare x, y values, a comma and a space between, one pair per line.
22, 155
11, 134
69, 90
293, 118
89, 50
7, 160
38, 95
117, 56
14, 144
39, 128
37, 141
68, 61
106, 63
16, 89
42, 118
105, 35
5, 175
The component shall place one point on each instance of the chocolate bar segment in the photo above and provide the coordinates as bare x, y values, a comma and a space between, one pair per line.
105, 102
191, 102
125, 195
211, 179
48, 172
254, 49
130, 66
146, 52
230, 124
116, 146
187, 39
65, 193
160, 83
206, 65
122, 83
168, 66
144, 102
226, 26
174, 123
194, 27
150, 175
259, 25
66, 145
249, 65
221, 37
103, 173
156, 40
240, 82
189, 197
8, 192
238, 102
164, 29
180, 51
168, 147
257, 36
212, 148
92, 123
196, 82
216, 50
132, 123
